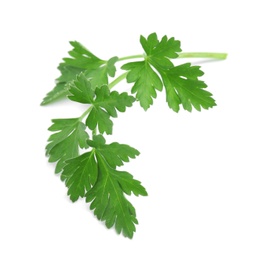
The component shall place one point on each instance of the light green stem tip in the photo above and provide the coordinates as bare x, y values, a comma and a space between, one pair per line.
206, 55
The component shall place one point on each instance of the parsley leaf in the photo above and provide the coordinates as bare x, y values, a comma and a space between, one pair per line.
80, 174
81, 60
94, 175
183, 87
68, 73
157, 70
99, 76
64, 144
158, 52
108, 200
146, 82
107, 195
115, 154
105, 104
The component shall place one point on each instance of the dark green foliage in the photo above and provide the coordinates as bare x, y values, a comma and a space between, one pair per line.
93, 174
181, 83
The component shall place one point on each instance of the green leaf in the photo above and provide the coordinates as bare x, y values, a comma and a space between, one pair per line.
68, 73
57, 93
81, 90
80, 174
93, 175
181, 83
64, 144
108, 200
115, 154
146, 82
158, 52
81, 60
110, 66
105, 104
99, 76
183, 87
94, 68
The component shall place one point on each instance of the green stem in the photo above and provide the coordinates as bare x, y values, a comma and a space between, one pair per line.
207, 55
117, 80
131, 57
85, 113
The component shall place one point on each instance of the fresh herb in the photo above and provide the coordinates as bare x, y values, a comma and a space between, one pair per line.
86, 79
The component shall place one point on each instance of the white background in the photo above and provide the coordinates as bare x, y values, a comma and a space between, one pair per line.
206, 172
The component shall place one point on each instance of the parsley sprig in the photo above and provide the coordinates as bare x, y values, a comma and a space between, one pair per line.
94, 175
